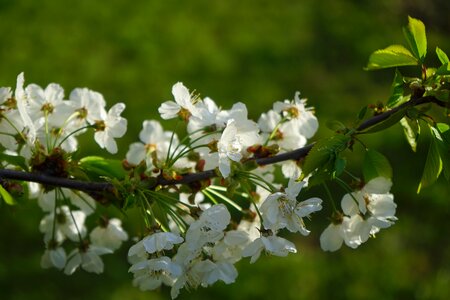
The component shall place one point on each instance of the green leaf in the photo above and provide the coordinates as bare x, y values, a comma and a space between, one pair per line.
7, 196
416, 37
14, 160
443, 70
96, 166
390, 121
392, 56
443, 95
339, 166
335, 125
442, 136
362, 113
323, 152
396, 97
375, 165
433, 165
443, 58
411, 128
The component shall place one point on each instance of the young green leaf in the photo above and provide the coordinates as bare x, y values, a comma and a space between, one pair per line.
411, 128
15, 160
335, 125
392, 56
442, 136
416, 37
7, 196
339, 166
376, 165
433, 165
443, 70
324, 151
396, 97
443, 58
362, 113
97, 166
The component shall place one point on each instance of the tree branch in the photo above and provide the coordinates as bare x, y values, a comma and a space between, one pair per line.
195, 177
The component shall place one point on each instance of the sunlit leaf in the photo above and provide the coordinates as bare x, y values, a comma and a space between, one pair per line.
7, 196
97, 166
443, 58
442, 136
411, 128
416, 37
376, 165
392, 56
433, 165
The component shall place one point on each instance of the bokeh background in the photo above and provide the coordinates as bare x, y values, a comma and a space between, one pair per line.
257, 52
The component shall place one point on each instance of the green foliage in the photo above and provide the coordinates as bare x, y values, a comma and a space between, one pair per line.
390, 121
15, 160
375, 165
96, 167
7, 196
411, 128
443, 58
416, 38
433, 164
392, 56
441, 135
324, 154
397, 91
397, 55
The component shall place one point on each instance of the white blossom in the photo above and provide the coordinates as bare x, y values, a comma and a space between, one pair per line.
54, 258
88, 259
150, 274
271, 244
159, 241
209, 227
233, 144
89, 104
154, 144
183, 104
113, 126
282, 210
67, 224
110, 236
367, 211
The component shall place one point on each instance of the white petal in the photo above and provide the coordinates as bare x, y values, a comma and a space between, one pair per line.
331, 238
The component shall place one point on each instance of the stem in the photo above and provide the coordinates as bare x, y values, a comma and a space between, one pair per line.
73, 132
327, 190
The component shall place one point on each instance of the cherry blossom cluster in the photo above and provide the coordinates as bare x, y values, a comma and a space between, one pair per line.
41, 126
191, 238
365, 212
34, 117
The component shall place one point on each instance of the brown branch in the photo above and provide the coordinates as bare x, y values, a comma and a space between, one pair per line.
85, 186
381, 117
195, 177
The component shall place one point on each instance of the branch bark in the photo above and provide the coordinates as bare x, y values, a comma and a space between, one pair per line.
195, 177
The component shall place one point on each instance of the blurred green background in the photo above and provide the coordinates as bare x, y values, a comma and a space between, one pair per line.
257, 52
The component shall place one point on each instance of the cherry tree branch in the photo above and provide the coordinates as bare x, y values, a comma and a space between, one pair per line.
195, 177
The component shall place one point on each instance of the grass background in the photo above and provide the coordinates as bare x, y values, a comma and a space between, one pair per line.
256, 52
